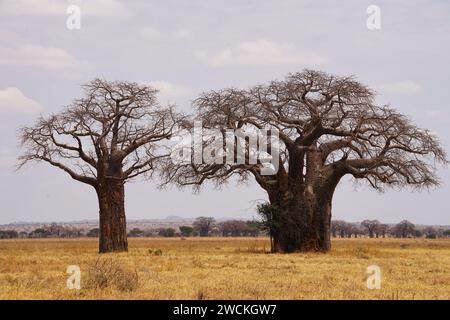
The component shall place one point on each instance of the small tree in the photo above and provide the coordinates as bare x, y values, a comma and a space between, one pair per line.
234, 228
23, 234
371, 227
104, 139
270, 222
93, 233
430, 233
224, 228
417, 233
253, 228
168, 233
186, 231
354, 230
39, 233
344, 229
204, 225
404, 229
136, 232
382, 230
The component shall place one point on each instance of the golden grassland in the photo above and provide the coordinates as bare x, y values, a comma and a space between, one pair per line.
224, 268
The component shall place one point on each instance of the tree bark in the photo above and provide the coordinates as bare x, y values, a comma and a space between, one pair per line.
303, 221
111, 198
303, 225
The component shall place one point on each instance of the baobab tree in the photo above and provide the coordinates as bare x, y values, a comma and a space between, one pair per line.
371, 227
329, 127
234, 228
110, 136
404, 229
342, 229
430, 232
204, 225
381, 230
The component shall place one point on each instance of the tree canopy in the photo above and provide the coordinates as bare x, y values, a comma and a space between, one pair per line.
118, 121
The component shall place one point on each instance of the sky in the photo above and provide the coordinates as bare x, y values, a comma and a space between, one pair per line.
185, 47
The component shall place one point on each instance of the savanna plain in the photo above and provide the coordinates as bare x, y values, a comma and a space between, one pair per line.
224, 268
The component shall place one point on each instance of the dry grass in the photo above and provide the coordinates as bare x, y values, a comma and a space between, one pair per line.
224, 268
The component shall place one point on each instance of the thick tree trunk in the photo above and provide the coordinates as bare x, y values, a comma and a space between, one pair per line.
113, 233
304, 211
302, 223
304, 228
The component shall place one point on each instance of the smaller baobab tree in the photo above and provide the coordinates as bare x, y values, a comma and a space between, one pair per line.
110, 136
204, 225
234, 228
371, 227
382, 230
404, 229
342, 229
430, 232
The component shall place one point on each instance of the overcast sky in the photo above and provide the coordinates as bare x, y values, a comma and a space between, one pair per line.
185, 47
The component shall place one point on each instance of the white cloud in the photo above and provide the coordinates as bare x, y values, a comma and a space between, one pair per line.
263, 53
182, 33
58, 7
36, 56
35, 8
151, 33
169, 91
103, 8
12, 100
401, 87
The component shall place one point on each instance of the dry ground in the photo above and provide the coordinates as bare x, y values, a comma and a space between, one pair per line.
224, 268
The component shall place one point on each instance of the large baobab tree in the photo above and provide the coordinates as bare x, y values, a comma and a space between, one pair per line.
329, 126
111, 135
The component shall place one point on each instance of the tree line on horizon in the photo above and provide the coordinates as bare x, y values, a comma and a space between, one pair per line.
209, 227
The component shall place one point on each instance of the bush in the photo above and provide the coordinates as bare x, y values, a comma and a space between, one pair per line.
110, 273
94, 233
186, 231
169, 232
155, 252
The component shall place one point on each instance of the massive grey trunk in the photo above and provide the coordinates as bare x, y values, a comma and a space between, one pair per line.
302, 224
111, 198
303, 215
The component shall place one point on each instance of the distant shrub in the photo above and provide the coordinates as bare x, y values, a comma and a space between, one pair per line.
110, 273
186, 231
168, 233
136, 232
155, 252
94, 233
